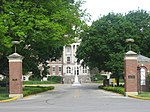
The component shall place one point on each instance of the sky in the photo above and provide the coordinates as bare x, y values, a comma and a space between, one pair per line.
98, 8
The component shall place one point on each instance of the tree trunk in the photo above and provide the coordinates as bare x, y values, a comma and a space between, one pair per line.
117, 79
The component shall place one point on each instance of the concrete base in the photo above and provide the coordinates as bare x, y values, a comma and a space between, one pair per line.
131, 93
16, 95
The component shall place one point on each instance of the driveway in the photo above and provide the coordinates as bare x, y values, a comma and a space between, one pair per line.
86, 98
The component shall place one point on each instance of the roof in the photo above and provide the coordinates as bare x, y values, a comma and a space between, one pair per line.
142, 58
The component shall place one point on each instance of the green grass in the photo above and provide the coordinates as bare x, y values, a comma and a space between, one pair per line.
3, 93
38, 82
119, 90
4, 96
145, 94
27, 90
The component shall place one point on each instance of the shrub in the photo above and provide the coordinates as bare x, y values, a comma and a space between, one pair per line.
98, 77
56, 79
148, 79
29, 90
37, 82
34, 78
4, 83
119, 90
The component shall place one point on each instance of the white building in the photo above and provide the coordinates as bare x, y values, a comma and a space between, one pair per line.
67, 66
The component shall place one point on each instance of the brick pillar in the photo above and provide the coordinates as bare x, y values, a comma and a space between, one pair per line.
15, 75
131, 78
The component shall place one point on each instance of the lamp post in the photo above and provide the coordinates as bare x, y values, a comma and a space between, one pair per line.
130, 41
15, 74
15, 43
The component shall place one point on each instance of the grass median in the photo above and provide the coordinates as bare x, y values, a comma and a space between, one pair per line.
120, 90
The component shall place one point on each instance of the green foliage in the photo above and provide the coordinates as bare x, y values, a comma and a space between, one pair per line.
148, 76
3, 93
39, 26
38, 82
29, 90
56, 79
98, 77
103, 43
119, 90
34, 78
4, 96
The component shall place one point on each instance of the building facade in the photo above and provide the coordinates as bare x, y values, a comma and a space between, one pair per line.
67, 66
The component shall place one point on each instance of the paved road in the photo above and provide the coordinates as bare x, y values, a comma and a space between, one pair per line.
86, 98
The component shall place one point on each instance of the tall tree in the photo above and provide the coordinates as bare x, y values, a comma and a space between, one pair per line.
40, 26
103, 44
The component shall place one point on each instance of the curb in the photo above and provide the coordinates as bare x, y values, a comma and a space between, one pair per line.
8, 100
138, 97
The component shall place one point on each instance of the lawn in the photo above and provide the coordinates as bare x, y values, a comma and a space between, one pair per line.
27, 90
3, 93
145, 94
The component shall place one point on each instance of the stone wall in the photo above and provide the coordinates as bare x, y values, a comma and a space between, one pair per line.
82, 79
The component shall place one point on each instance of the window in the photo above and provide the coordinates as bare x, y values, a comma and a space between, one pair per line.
59, 69
76, 71
68, 70
24, 78
68, 59
68, 48
53, 69
84, 70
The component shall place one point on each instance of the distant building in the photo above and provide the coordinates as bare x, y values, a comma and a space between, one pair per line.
1, 77
67, 66
26, 76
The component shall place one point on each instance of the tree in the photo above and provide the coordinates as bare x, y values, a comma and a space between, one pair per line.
103, 44
141, 21
39, 26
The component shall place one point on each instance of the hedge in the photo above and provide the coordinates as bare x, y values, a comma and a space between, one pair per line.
29, 90
119, 90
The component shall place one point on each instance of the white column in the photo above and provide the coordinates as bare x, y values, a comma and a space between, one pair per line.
72, 59
64, 54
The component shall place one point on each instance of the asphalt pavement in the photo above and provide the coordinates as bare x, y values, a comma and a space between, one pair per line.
85, 98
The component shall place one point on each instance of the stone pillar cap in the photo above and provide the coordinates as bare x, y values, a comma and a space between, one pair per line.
15, 56
131, 53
